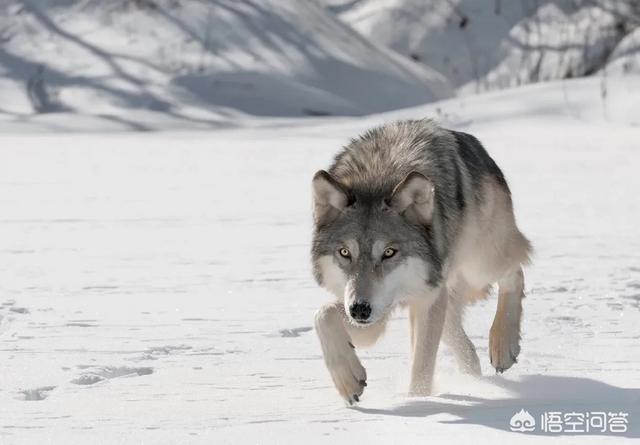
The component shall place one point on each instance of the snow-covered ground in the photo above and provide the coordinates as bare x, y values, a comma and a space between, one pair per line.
156, 288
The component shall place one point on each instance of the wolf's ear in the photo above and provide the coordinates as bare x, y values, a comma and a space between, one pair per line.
414, 197
329, 198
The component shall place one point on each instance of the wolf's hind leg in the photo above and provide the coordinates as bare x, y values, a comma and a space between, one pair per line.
504, 337
457, 340
348, 374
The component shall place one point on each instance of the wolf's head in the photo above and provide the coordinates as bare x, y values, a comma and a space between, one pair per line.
374, 250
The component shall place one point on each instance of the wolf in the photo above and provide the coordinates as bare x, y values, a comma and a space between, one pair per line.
416, 216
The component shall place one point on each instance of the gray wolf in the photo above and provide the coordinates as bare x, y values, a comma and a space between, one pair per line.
414, 215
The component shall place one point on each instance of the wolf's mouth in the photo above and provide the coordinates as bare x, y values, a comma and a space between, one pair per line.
361, 323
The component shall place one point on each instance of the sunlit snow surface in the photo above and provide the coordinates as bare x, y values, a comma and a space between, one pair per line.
156, 288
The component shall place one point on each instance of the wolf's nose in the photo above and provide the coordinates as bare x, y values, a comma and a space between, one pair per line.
360, 310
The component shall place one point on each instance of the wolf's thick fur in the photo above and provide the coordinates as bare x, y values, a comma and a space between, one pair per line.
415, 215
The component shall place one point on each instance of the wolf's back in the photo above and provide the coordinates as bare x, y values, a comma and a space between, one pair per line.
374, 163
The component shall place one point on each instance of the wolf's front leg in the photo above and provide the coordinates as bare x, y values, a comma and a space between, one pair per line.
504, 337
345, 368
427, 321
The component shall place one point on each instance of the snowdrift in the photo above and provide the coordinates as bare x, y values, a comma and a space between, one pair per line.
200, 61
487, 44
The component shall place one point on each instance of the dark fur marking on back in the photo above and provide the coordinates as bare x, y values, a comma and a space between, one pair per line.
460, 200
477, 160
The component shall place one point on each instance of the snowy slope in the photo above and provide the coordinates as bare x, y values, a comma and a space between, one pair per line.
487, 44
553, 44
626, 57
461, 38
156, 288
201, 63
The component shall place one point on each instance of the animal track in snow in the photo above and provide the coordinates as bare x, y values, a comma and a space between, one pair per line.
87, 379
102, 373
4, 323
36, 394
293, 332
634, 284
19, 310
156, 352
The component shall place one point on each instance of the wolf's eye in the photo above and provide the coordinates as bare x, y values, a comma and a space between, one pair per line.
388, 253
344, 253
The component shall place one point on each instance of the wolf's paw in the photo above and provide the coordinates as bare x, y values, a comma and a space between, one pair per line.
504, 346
347, 372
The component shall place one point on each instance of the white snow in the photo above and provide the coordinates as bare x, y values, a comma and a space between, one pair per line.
626, 57
149, 64
482, 45
156, 288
